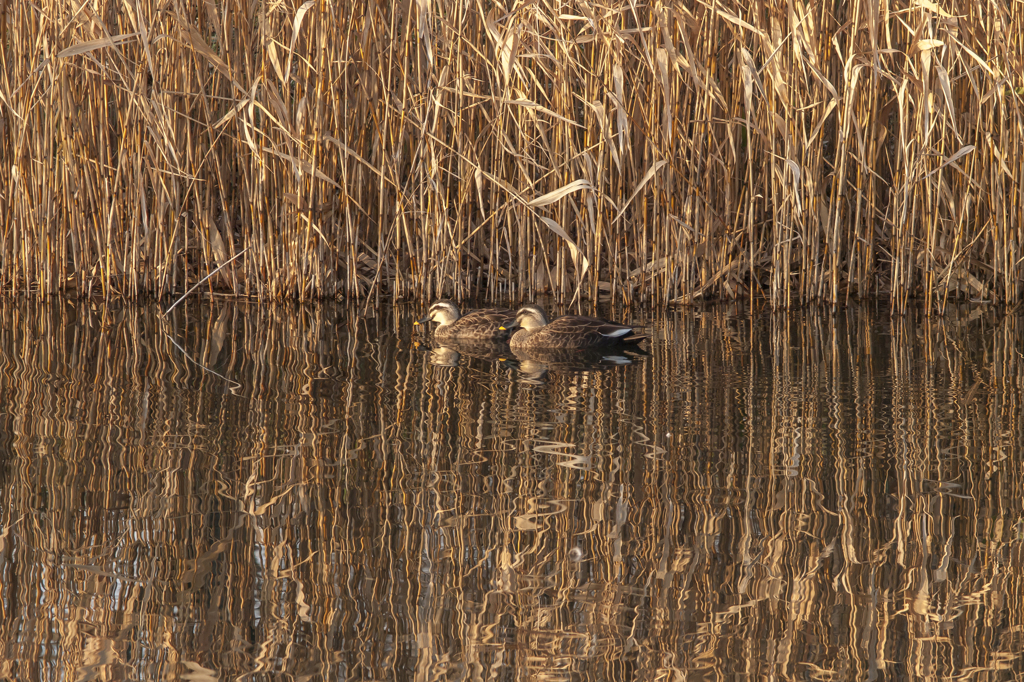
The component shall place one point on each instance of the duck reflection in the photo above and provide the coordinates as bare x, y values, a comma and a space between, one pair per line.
451, 351
443, 356
535, 364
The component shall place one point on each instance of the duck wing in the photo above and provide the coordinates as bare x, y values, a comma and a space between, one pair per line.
578, 331
484, 324
498, 316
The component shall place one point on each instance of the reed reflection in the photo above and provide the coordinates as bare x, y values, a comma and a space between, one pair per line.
246, 490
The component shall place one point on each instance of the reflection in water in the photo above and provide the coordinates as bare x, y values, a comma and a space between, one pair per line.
302, 491
449, 353
534, 365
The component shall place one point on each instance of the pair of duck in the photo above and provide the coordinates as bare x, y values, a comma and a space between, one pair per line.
529, 328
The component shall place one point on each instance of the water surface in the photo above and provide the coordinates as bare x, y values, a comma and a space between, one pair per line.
253, 492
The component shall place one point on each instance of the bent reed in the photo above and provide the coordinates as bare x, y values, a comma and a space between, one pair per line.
654, 152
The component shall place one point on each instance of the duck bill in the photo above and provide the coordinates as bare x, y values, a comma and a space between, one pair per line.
423, 321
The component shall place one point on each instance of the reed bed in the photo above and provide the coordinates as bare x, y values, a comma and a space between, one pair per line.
648, 151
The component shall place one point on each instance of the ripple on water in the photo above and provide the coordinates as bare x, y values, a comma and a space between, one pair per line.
238, 489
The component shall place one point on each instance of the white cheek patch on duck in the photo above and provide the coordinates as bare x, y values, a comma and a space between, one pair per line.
441, 313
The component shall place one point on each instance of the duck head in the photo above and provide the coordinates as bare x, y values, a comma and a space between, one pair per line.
443, 312
529, 317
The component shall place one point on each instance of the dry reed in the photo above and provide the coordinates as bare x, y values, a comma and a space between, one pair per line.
659, 152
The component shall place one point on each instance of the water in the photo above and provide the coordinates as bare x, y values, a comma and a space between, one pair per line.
256, 492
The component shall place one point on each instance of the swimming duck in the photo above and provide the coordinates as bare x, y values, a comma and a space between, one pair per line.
475, 325
533, 331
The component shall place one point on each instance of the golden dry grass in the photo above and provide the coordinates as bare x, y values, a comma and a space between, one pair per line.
659, 152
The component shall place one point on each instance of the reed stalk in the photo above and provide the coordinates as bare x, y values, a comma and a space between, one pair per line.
656, 152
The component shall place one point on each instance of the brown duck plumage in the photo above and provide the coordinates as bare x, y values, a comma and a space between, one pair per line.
475, 325
533, 331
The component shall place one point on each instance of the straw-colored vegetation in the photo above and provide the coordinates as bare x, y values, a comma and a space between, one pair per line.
656, 151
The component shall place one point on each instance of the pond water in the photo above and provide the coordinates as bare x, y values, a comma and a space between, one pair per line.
240, 491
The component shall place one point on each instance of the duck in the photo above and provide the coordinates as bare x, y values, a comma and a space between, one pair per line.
532, 331
476, 325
